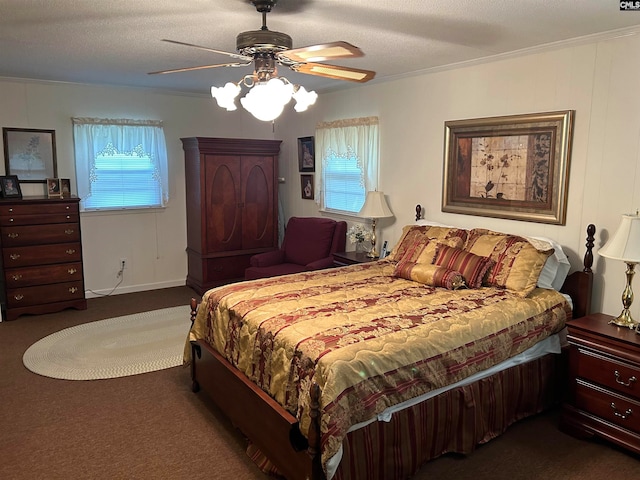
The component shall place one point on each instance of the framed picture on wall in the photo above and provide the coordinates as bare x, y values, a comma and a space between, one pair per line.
306, 184
514, 167
30, 154
10, 187
306, 154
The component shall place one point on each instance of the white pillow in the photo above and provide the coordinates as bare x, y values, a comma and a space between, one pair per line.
556, 268
429, 223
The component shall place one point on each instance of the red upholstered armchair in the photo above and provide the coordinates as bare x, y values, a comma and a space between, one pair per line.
308, 244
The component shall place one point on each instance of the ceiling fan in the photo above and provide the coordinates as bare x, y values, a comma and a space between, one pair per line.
267, 49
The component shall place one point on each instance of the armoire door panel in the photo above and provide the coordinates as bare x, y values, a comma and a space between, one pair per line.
257, 224
223, 213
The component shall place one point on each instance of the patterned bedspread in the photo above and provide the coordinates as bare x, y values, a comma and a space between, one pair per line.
367, 338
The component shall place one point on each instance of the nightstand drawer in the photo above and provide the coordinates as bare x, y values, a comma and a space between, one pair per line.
605, 371
608, 405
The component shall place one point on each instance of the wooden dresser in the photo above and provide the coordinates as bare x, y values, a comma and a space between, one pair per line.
603, 397
232, 206
41, 256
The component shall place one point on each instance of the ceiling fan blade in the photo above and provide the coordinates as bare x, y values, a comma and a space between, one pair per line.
334, 71
201, 67
322, 52
229, 54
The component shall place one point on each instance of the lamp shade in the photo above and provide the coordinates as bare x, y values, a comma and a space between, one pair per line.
375, 206
625, 243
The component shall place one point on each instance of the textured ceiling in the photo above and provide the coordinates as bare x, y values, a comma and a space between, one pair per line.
118, 42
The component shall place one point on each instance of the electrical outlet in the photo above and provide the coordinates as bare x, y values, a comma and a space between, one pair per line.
121, 267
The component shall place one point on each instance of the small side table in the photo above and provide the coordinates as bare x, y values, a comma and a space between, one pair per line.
604, 382
340, 259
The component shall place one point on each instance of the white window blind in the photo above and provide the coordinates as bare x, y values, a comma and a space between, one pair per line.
120, 164
344, 188
348, 163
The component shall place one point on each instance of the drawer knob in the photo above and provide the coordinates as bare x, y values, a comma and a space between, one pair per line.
73, 290
71, 271
13, 235
624, 415
70, 251
14, 256
69, 231
18, 297
16, 276
621, 382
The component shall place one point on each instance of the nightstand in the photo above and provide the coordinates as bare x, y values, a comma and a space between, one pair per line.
603, 397
340, 259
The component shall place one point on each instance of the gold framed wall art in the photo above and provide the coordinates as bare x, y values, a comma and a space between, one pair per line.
514, 167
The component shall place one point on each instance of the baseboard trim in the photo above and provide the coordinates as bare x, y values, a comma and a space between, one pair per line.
134, 288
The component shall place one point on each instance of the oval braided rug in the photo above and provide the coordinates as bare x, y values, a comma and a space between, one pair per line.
115, 347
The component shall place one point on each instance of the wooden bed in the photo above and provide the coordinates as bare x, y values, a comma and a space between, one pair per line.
455, 421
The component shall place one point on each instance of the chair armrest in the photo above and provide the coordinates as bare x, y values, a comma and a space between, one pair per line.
326, 262
267, 259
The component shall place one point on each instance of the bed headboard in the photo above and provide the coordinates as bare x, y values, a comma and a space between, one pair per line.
579, 284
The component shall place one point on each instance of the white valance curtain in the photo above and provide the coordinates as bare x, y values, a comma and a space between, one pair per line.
346, 138
94, 135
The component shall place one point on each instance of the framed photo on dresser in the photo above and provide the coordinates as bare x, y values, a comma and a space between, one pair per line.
10, 187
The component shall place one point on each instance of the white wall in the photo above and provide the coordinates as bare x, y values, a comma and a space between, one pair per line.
598, 79
152, 241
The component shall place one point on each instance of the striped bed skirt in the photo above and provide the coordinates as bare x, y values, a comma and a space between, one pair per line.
456, 421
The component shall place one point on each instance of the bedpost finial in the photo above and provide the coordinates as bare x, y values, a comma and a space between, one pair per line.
588, 256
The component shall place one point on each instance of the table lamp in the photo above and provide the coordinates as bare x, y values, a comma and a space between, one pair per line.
375, 206
625, 245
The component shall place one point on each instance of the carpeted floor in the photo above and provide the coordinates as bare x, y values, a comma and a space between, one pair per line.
151, 426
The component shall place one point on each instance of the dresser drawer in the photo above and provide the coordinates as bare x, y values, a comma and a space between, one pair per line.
606, 371
610, 406
43, 274
51, 208
58, 292
40, 234
38, 219
41, 255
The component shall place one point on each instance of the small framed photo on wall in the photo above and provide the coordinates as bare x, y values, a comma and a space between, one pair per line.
10, 187
306, 154
53, 188
306, 184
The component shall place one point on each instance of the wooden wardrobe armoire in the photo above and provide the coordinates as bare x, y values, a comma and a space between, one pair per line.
232, 206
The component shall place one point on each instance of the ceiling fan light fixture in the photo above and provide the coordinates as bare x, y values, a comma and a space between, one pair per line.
226, 96
266, 100
304, 99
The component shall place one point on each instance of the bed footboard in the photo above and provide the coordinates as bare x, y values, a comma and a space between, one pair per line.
260, 418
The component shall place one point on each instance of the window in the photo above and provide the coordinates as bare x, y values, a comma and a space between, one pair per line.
348, 163
120, 164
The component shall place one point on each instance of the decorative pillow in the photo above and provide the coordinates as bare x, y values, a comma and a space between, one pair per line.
411, 234
557, 266
517, 262
428, 274
422, 249
472, 267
